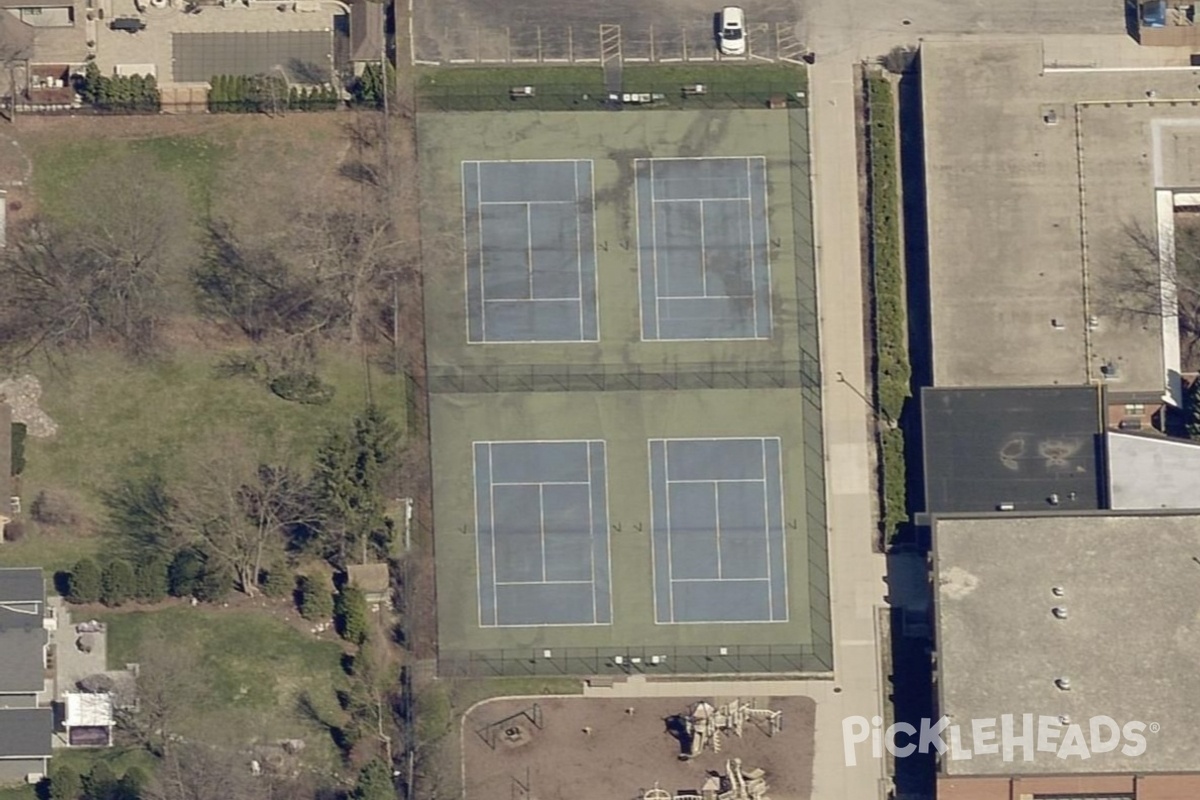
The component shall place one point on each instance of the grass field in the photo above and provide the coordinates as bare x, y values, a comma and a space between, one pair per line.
251, 670
580, 88
110, 410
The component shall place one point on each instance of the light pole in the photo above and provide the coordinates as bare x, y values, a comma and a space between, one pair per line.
841, 378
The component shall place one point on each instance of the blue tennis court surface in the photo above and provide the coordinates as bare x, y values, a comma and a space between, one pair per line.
541, 513
717, 530
703, 251
529, 236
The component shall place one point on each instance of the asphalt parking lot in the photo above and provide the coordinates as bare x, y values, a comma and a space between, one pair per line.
581, 31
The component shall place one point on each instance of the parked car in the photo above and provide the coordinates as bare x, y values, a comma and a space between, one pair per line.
131, 24
733, 31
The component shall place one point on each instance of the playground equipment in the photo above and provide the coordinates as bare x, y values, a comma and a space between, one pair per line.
736, 784
706, 723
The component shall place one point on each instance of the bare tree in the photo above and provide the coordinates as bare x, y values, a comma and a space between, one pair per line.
168, 683
1144, 282
239, 510
198, 772
98, 263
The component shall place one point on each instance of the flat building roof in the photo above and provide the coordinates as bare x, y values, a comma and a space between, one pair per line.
1128, 645
1036, 180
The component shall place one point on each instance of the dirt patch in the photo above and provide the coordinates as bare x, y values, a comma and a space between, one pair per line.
596, 748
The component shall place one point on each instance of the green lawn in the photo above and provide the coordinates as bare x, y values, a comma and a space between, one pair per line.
51, 551
252, 670
110, 410
487, 88
195, 160
727, 85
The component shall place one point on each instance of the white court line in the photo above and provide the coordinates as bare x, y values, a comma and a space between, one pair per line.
527, 202
607, 535
716, 480
696, 297
719, 580
653, 521
492, 519
767, 529
717, 521
579, 289
666, 471
782, 530
529, 245
542, 526
545, 583
535, 300
637, 215
542, 483
750, 245
766, 198
657, 307
596, 291
591, 515
467, 272
478, 570
482, 291
703, 254
746, 199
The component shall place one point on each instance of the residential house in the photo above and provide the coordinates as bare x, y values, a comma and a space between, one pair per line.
25, 729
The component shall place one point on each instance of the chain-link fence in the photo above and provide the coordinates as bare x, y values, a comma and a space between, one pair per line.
648, 660
489, 378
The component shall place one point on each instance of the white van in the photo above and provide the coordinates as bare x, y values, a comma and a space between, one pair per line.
733, 31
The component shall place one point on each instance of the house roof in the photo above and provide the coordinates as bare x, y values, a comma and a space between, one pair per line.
22, 669
88, 710
366, 30
369, 577
1149, 472
22, 585
22, 635
25, 732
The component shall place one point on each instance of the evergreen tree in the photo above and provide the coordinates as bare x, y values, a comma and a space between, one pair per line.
350, 614
375, 782
84, 583
316, 598
100, 783
117, 583
1192, 406
65, 784
184, 574
151, 582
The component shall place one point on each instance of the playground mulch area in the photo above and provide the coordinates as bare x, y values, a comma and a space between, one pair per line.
597, 749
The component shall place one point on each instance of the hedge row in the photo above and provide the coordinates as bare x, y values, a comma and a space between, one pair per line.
893, 372
135, 93
253, 94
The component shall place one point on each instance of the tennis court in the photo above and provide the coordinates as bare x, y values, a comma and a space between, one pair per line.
717, 523
703, 248
529, 238
542, 533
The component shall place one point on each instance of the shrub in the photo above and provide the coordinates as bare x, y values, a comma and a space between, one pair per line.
65, 784
374, 782
19, 432
54, 508
350, 614
14, 531
316, 598
184, 573
302, 387
117, 583
151, 579
893, 371
278, 582
215, 584
84, 584
100, 783
134, 782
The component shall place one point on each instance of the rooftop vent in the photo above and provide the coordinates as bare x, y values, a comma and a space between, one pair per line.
1060, 612
1064, 719
1063, 684
1058, 591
